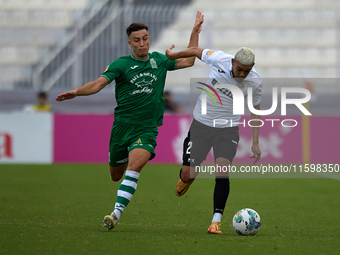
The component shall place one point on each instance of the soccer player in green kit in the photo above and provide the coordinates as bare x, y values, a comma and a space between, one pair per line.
140, 80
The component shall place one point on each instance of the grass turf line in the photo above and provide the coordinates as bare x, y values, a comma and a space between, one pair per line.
58, 209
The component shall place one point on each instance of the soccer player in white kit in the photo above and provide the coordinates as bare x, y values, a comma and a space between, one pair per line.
205, 134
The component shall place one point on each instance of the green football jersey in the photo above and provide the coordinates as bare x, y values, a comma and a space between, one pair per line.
139, 88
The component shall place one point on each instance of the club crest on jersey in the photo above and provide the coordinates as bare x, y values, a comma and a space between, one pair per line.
210, 52
153, 63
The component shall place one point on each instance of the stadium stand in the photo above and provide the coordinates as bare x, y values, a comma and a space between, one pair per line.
28, 29
43, 5
58, 45
288, 36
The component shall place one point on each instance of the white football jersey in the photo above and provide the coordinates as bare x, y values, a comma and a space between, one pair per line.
221, 73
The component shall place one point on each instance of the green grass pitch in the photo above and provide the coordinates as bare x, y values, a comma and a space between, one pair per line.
58, 209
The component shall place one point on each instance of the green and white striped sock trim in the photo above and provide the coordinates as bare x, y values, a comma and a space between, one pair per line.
125, 191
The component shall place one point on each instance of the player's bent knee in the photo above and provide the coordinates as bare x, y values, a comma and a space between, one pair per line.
116, 173
136, 166
223, 162
138, 158
116, 177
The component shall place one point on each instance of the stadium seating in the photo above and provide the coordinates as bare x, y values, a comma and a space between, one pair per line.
287, 36
35, 18
13, 55
29, 37
251, 5
27, 29
43, 4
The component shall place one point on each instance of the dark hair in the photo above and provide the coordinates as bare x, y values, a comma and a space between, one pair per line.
135, 27
42, 94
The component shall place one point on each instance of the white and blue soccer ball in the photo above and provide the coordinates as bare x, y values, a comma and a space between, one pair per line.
247, 222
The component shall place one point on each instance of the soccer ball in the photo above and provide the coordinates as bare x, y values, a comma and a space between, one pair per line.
247, 222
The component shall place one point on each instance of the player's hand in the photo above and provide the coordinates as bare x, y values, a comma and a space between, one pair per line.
198, 22
169, 53
256, 153
67, 95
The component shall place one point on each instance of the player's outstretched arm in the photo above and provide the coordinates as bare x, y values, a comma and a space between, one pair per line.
186, 53
255, 148
88, 89
190, 61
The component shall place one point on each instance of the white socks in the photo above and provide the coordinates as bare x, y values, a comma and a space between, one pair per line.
125, 192
217, 217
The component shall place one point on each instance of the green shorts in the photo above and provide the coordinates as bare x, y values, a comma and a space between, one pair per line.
126, 137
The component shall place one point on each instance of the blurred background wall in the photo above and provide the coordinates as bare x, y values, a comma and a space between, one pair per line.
55, 46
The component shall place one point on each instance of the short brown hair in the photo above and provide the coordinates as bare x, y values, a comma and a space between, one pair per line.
135, 27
